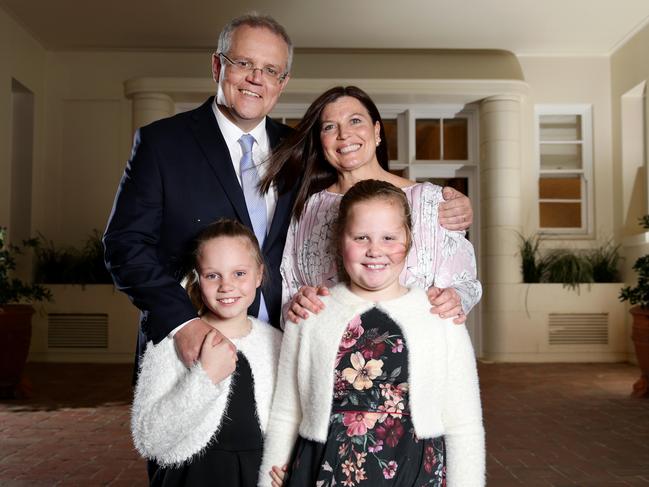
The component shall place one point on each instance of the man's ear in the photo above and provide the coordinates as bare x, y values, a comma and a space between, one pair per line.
216, 67
284, 83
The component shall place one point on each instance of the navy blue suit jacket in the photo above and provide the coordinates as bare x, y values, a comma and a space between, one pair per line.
178, 179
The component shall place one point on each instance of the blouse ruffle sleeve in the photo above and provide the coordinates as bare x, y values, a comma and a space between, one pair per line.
444, 258
291, 282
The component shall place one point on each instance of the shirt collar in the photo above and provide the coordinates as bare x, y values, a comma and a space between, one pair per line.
232, 133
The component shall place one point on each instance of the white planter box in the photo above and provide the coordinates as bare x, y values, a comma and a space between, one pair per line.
92, 324
551, 323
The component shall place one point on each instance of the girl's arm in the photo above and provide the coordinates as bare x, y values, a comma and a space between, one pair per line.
286, 412
462, 414
170, 404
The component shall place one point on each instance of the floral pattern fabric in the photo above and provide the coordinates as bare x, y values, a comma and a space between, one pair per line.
371, 440
438, 257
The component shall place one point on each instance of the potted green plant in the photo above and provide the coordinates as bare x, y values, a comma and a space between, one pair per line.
16, 313
638, 296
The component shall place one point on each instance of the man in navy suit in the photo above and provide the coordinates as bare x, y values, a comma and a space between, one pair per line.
184, 172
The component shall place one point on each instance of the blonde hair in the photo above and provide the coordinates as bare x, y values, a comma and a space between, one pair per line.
220, 228
368, 190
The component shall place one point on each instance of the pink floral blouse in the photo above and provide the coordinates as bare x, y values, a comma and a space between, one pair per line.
438, 256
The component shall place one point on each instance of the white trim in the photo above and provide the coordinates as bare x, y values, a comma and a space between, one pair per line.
305, 89
633, 144
629, 35
585, 140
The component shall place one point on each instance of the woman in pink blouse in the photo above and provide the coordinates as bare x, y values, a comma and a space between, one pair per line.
340, 141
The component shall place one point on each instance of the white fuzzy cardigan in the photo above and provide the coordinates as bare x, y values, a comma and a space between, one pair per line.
176, 410
443, 382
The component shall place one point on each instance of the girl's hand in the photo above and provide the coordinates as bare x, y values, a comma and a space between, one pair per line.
446, 303
305, 300
219, 360
277, 475
455, 212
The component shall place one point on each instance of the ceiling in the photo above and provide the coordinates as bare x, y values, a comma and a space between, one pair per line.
525, 27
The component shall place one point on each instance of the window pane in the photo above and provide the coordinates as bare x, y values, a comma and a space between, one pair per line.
560, 215
292, 122
456, 139
391, 132
561, 156
560, 127
560, 188
427, 139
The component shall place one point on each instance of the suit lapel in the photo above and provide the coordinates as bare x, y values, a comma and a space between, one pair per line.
209, 137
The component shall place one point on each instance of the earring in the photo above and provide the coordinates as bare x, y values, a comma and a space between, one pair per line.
378, 141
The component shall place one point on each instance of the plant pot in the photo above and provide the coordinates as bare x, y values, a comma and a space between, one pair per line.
15, 335
640, 337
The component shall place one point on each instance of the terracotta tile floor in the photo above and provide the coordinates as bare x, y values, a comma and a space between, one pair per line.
547, 425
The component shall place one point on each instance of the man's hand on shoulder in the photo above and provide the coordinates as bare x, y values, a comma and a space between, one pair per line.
189, 340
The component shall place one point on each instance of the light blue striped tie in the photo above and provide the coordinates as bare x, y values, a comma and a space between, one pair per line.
255, 202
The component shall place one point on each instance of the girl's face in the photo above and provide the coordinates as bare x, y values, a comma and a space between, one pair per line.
348, 135
374, 248
229, 276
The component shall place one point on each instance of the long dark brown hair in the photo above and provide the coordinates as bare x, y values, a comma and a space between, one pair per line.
300, 156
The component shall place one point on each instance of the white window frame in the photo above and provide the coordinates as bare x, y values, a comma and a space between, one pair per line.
585, 173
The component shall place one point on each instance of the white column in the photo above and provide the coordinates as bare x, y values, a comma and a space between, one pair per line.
149, 107
501, 209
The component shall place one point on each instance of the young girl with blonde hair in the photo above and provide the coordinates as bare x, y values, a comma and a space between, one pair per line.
205, 425
375, 390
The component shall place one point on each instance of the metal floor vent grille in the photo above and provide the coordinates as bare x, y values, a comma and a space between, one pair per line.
578, 328
77, 330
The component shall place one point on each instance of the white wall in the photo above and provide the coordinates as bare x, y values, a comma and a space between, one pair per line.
88, 137
22, 58
569, 80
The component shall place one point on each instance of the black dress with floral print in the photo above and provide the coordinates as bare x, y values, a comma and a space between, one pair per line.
371, 439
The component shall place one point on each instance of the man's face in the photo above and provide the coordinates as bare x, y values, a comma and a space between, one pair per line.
245, 96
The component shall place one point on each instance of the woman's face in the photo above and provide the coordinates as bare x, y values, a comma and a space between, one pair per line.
347, 134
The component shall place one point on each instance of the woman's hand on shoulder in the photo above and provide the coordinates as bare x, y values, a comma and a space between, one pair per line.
306, 300
218, 357
455, 212
446, 303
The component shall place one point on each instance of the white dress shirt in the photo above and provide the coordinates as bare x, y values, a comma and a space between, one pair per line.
260, 154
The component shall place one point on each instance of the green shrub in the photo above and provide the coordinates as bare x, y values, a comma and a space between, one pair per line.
12, 289
531, 263
639, 294
605, 261
567, 266
69, 265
